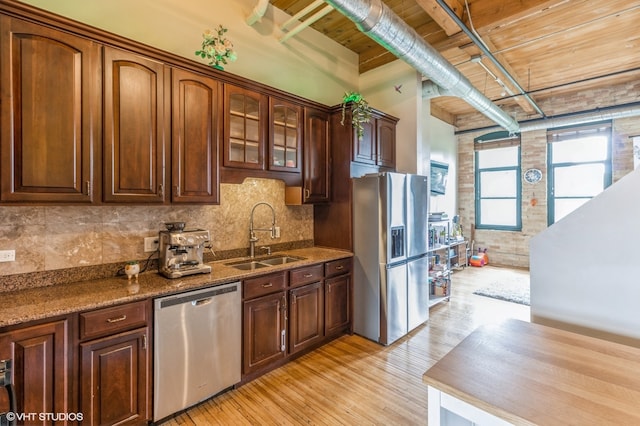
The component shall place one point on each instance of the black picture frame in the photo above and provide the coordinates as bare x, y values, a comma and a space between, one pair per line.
439, 174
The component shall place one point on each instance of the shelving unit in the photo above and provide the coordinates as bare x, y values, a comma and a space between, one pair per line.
445, 253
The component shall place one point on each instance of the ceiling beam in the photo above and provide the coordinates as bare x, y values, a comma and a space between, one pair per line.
441, 17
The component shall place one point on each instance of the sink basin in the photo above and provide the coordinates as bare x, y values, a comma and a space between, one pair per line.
250, 265
280, 260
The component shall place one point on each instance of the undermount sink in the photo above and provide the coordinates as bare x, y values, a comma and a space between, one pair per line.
250, 265
280, 260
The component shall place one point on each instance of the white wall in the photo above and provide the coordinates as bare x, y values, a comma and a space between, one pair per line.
585, 269
379, 89
309, 65
443, 148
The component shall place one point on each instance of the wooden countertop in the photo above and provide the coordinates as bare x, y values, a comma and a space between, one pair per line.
532, 374
46, 302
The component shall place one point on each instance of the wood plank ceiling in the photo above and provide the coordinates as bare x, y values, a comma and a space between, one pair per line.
550, 47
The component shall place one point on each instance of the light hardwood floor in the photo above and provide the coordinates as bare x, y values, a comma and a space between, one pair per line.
354, 381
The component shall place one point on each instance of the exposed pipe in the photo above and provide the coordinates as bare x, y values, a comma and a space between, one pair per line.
306, 23
304, 12
572, 119
258, 12
488, 54
377, 21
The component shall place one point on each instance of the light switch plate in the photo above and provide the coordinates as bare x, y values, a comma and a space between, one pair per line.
7, 255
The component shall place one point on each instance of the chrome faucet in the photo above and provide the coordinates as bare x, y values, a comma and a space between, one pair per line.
252, 234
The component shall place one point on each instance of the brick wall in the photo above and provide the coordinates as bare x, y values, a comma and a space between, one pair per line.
512, 248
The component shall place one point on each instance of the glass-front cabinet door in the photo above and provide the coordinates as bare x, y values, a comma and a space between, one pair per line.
245, 128
285, 136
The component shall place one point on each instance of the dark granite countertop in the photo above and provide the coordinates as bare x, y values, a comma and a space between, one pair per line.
45, 302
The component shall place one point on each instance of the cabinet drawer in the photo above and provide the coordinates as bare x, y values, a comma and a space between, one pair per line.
265, 284
306, 275
113, 320
337, 267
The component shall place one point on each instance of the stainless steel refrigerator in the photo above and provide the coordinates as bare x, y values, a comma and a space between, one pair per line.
391, 266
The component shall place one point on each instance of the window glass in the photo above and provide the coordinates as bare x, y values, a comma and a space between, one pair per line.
579, 167
498, 157
580, 150
498, 188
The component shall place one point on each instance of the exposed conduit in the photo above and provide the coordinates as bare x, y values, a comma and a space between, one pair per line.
475, 38
572, 119
377, 21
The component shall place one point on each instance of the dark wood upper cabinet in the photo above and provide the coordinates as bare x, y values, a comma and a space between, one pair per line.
245, 128
136, 125
377, 146
386, 142
316, 164
50, 114
285, 138
195, 135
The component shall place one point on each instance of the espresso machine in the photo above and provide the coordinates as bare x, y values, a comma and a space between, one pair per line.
182, 251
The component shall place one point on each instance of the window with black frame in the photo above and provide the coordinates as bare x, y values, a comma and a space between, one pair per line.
498, 183
579, 166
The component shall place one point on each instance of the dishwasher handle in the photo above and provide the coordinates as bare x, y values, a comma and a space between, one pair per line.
202, 302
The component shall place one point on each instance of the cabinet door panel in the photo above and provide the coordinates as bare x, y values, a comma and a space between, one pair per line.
135, 128
50, 113
386, 142
114, 374
337, 304
264, 331
306, 316
245, 128
194, 158
285, 137
40, 367
364, 148
317, 172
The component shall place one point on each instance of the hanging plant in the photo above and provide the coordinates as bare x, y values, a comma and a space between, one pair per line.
360, 111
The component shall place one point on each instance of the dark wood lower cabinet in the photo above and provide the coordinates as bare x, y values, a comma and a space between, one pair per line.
114, 379
306, 316
337, 304
40, 369
264, 331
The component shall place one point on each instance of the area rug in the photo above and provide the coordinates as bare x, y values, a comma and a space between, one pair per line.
511, 291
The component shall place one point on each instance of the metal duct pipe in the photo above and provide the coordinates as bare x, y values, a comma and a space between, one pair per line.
376, 20
431, 90
572, 119
611, 113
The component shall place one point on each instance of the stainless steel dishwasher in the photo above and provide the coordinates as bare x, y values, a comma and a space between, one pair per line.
197, 346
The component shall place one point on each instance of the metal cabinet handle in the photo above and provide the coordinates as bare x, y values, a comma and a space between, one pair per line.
88, 185
307, 193
282, 340
267, 285
112, 320
338, 268
161, 190
308, 275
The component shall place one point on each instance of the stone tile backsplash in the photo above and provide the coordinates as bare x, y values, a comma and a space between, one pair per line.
48, 238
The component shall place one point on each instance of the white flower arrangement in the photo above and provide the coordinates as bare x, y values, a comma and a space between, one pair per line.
216, 48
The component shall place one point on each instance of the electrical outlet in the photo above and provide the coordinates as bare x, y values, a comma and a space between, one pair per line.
277, 232
7, 255
150, 244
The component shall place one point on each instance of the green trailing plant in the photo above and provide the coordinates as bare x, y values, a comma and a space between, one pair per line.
360, 111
